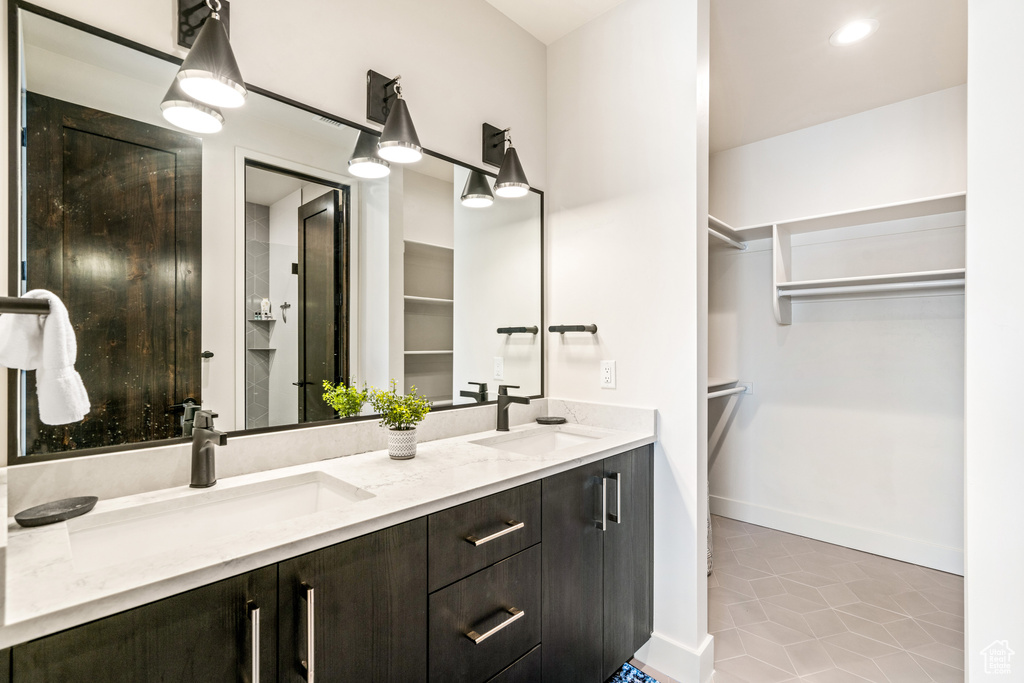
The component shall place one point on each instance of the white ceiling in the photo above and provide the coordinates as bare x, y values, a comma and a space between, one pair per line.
549, 20
773, 70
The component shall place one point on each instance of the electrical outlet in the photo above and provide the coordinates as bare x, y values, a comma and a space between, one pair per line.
607, 374
499, 367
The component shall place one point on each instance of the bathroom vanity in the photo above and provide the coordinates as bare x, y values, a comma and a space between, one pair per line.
515, 557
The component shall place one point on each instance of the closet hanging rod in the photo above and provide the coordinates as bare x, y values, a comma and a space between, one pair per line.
533, 329
20, 305
868, 289
728, 240
727, 392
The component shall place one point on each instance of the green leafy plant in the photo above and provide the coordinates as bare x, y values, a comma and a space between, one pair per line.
399, 412
346, 400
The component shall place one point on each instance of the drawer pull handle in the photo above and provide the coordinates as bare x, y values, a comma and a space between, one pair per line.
513, 525
602, 523
254, 617
309, 664
479, 638
617, 515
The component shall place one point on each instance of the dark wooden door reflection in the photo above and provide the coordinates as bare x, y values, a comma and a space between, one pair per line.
114, 228
322, 302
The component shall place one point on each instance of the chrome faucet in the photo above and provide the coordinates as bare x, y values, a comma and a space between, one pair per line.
478, 396
204, 439
504, 400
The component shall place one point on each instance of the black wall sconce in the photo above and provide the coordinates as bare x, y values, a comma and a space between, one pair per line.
398, 142
192, 15
511, 180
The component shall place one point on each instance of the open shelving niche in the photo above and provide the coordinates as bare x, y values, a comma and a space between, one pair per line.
786, 290
429, 320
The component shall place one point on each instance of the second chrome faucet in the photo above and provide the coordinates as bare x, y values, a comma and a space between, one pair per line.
504, 401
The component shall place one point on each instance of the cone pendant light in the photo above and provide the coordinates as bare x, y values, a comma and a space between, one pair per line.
365, 161
511, 180
398, 141
210, 73
477, 193
184, 112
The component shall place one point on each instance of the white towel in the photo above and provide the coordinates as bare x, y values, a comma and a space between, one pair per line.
46, 344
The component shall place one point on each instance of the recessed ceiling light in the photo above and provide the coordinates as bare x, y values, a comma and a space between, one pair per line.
853, 32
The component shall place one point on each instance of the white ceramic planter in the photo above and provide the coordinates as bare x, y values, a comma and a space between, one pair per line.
402, 443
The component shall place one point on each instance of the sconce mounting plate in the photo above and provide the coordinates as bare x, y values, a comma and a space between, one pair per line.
191, 16
380, 92
493, 145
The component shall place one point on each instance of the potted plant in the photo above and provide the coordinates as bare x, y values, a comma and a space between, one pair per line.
400, 414
347, 401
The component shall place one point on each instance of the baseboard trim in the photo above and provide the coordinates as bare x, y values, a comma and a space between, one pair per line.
678, 661
939, 557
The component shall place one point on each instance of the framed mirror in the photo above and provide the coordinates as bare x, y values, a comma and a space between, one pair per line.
242, 269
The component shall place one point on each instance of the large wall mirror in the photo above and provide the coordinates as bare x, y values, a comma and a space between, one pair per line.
242, 269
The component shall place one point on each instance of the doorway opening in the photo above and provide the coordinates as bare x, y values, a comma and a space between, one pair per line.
297, 255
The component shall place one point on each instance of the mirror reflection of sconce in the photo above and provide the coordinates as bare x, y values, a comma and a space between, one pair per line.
184, 112
365, 161
398, 142
477, 193
511, 180
210, 73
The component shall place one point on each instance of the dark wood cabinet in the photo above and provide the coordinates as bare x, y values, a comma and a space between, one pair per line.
499, 525
202, 635
572, 545
598, 567
368, 609
486, 621
568, 597
628, 557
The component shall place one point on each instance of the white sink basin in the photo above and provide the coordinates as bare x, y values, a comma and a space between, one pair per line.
108, 538
539, 441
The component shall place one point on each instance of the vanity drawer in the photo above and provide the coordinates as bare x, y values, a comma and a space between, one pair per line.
526, 669
481, 624
474, 535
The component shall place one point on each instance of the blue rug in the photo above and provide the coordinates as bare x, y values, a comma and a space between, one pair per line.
630, 674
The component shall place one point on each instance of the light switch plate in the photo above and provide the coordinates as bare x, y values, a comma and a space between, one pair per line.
499, 367
607, 374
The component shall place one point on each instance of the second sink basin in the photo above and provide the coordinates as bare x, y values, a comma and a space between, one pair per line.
539, 441
107, 538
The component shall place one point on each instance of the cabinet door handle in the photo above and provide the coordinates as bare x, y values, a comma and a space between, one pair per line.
254, 617
309, 663
617, 515
602, 523
513, 525
478, 638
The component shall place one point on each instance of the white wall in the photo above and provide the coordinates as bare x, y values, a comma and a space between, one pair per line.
835, 166
626, 250
995, 333
428, 204
854, 433
497, 277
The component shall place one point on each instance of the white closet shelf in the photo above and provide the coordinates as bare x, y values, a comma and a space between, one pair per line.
262, 320
721, 230
428, 300
439, 352
928, 279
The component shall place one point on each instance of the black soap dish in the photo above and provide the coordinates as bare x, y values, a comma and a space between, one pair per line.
550, 420
57, 511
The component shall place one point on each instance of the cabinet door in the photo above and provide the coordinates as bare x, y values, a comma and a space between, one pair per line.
572, 575
628, 556
203, 635
367, 602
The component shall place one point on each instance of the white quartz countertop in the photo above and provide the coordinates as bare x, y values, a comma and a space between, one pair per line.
48, 591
